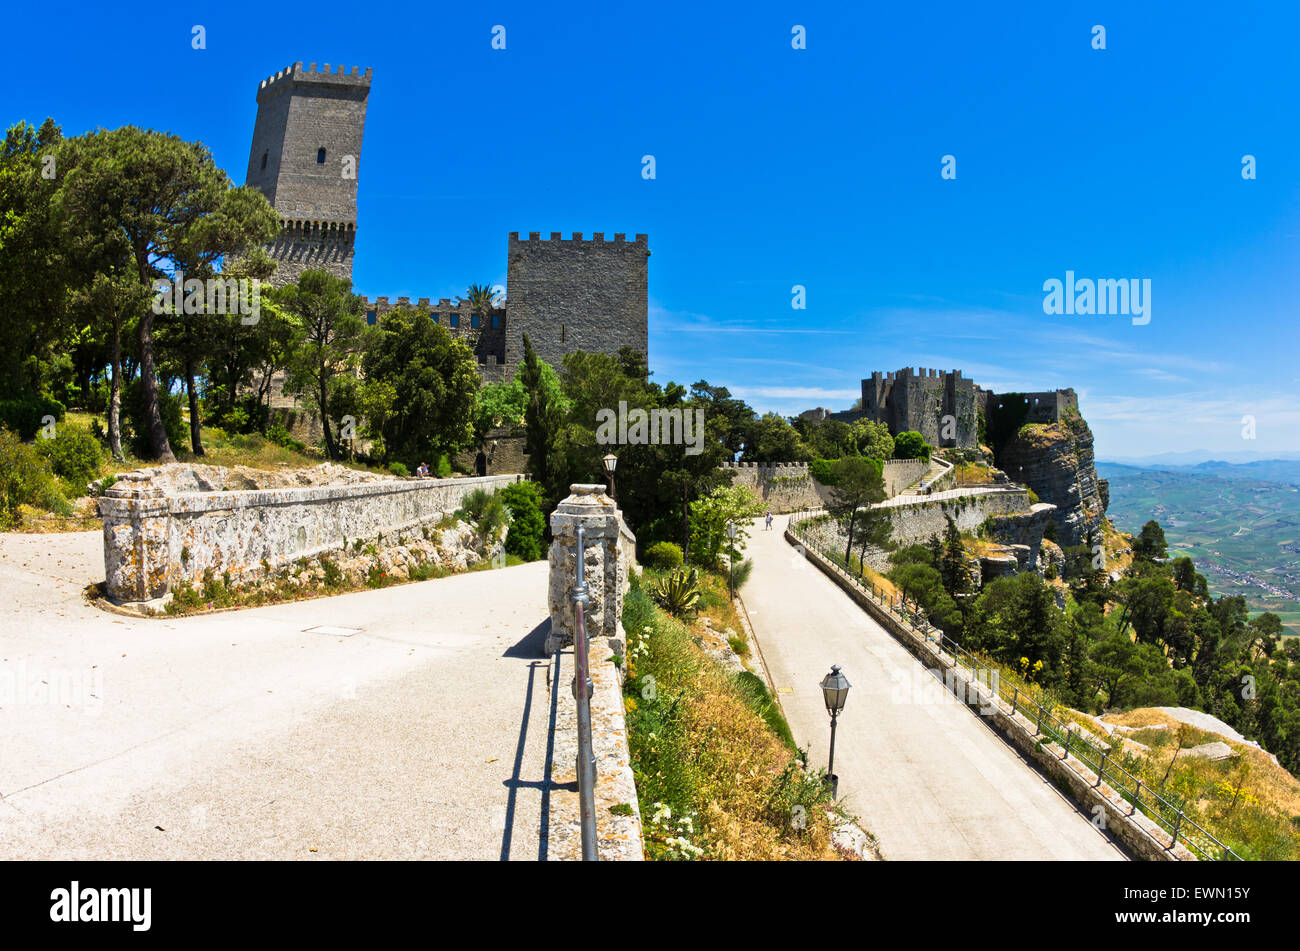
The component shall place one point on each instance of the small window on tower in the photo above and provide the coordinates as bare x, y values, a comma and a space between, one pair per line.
496, 321
455, 320
433, 316
473, 321
265, 156
320, 156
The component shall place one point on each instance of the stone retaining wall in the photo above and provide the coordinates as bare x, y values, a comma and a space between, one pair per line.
153, 539
1142, 837
901, 473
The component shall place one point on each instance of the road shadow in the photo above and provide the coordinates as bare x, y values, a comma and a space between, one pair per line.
532, 645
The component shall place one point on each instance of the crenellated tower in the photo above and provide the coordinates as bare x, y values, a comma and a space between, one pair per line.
306, 158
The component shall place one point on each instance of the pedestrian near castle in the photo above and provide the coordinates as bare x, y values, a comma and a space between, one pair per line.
768, 527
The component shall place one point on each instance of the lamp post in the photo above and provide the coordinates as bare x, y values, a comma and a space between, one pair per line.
731, 565
610, 462
835, 690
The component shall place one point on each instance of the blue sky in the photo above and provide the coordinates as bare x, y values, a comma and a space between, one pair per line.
818, 167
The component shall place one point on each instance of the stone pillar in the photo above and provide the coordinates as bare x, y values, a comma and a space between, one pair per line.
137, 546
610, 554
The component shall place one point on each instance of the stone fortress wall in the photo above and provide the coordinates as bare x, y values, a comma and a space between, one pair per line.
790, 487
919, 399
576, 294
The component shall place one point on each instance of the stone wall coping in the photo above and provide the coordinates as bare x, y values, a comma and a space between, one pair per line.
198, 502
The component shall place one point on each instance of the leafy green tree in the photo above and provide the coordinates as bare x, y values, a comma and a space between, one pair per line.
710, 516
172, 205
771, 438
1014, 617
1150, 543
527, 535
35, 260
434, 379
544, 417
911, 445
952, 562
333, 334
859, 486
873, 439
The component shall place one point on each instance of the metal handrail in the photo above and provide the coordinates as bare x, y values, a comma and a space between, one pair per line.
586, 764
1171, 818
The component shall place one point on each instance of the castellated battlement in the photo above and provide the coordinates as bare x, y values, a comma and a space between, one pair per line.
557, 239
343, 76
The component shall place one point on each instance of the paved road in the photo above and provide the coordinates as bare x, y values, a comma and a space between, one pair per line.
240, 736
927, 777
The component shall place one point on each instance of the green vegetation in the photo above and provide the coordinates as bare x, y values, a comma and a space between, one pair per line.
911, 445
663, 555
527, 536
715, 768
678, 592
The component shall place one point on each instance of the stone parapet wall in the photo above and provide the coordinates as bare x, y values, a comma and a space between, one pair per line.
784, 486
154, 538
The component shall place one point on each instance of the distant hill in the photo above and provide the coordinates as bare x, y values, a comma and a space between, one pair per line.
1240, 523
1266, 470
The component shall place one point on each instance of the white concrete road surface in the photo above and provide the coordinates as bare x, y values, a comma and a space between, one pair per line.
240, 736
925, 774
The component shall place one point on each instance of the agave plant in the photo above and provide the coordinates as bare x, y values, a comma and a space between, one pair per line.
678, 593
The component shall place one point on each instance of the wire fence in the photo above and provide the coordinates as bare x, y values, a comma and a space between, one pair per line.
1100, 761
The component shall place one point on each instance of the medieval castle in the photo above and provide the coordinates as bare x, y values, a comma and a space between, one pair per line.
565, 294
948, 409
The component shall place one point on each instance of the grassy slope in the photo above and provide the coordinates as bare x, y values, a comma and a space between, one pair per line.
708, 753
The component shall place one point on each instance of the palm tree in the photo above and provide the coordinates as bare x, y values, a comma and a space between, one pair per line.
480, 297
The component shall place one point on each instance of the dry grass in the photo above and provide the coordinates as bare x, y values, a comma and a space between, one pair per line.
701, 751
1247, 801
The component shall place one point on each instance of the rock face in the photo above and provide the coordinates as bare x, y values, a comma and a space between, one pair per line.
1056, 461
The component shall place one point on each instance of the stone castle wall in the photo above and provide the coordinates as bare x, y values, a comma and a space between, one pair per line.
576, 294
487, 340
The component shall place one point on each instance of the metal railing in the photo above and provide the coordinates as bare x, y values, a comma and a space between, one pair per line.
582, 697
1101, 762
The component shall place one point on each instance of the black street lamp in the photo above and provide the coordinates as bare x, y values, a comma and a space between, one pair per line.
835, 690
731, 567
610, 462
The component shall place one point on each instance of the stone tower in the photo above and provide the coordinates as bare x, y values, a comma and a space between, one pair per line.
576, 294
305, 158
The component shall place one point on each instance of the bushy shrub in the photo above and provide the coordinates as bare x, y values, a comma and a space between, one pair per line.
72, 453
486, 510
823, 471
911, 445
25, 415
443, 470
663, 555
741, 573
26, 479
399, 469
527, 535
277, 434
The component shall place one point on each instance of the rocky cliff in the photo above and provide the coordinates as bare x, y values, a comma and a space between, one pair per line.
1056, 461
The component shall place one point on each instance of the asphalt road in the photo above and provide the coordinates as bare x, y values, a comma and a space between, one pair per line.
923, 773
242, 736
